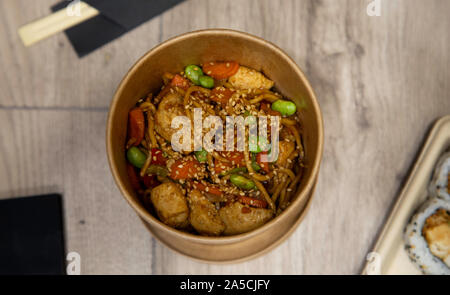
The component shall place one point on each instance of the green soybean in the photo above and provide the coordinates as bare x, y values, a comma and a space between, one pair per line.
136, 157
206, 81
242, 182
285, 107
193, 73
202, 156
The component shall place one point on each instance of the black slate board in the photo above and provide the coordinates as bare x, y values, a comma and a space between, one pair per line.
31, 236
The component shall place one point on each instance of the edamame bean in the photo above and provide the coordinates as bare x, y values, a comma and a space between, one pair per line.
136, 157
206, 81
202, 156
242, 182
285, 107
193, 73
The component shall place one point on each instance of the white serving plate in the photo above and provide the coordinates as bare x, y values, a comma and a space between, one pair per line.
390, 244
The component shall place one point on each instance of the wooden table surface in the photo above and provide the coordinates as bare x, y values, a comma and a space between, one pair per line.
381, 83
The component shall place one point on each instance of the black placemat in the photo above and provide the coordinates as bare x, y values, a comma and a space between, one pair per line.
31, 236
115, 19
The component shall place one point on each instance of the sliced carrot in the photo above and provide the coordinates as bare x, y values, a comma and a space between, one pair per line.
134, 179
221, 70
253, 202
179, 81
207, 188
136, 126
221, 95
237, 159
220, 167
261, 163
183, 169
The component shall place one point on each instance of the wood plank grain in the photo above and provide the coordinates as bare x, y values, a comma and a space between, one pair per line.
50, 73
64, 151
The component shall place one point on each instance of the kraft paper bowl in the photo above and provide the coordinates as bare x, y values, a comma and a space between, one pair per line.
196, 48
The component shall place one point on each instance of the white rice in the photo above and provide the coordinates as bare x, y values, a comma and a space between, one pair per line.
415, 243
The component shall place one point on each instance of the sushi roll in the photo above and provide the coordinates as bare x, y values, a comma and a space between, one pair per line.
427, 237
440, 184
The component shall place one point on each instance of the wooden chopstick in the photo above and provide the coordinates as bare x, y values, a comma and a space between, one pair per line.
55, 23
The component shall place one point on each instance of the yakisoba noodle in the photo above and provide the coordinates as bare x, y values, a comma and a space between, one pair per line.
217, 192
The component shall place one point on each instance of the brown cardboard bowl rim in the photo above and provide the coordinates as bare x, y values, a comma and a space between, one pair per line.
144, 214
